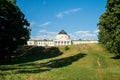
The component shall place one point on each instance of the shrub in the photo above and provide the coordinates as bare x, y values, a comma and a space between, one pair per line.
66, 48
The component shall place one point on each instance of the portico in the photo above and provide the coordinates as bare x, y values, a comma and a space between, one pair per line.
62, 38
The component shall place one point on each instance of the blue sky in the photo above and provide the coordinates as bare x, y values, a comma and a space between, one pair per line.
78, 18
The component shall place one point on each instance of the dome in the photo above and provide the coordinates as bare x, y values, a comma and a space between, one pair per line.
62, 32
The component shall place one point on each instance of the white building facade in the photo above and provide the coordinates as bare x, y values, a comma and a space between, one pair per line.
62, 38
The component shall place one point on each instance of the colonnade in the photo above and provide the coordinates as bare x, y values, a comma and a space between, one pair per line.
62, 42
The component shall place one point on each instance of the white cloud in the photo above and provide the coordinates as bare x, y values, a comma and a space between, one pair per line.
82, 32
44, 34
96, 31
61, 14
72, 36
42, 31
45, 24
85, 34
89, 35
32, 23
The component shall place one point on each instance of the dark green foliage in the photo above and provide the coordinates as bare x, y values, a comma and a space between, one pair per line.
109, 26
66, 48
14, 28
26, 54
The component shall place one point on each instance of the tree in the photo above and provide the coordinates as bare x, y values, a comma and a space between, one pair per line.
14, 28
109, 26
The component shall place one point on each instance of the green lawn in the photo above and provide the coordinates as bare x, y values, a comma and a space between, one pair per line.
79, 62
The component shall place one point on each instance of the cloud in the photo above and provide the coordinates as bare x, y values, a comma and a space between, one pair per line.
61, 14
44, 34
32, 23
85, 34
82, 32
96, 31
45, 24
72, 36
42, 31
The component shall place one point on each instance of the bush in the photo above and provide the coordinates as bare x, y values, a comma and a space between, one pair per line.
66, 48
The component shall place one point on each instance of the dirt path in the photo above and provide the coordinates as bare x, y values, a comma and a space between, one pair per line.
98, 62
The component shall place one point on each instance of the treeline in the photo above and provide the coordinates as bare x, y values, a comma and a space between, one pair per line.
14, 27
109, 26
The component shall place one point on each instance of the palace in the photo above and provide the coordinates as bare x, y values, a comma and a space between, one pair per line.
62, 38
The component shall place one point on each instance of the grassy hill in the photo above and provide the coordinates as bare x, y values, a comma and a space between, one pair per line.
78, 62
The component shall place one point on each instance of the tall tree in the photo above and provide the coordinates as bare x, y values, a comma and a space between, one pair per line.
109, 26
14, 28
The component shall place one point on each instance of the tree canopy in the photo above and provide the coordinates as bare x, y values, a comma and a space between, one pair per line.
109, 26
14, 28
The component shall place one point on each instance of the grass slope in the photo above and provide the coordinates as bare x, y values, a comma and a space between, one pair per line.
79, 62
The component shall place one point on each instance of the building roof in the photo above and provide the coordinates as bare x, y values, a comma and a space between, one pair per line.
62, 32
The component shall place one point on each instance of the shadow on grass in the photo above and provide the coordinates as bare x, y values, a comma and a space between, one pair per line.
57, 63
42, 67
116, 57
32, 54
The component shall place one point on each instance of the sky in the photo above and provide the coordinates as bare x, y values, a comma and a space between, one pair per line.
79, 18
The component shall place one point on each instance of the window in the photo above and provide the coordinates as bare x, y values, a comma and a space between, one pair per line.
30, 43
64, 42
68, 42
